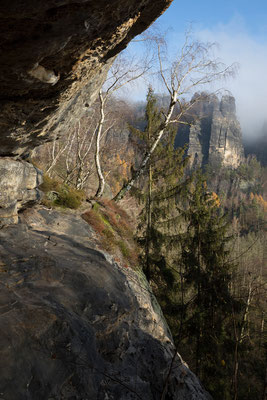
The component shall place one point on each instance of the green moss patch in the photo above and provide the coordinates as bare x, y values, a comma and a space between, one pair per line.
60, 194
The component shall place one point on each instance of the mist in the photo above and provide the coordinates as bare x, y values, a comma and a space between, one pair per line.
249, 87
235, 45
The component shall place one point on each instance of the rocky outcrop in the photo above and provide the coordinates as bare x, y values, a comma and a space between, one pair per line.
76, 325
54, 57
226, 136
19, 188
215, 134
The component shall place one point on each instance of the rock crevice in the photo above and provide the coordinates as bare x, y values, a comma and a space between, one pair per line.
214, 135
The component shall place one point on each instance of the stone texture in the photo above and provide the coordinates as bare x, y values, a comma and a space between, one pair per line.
18, 188
226, 135
54, 57
214, 135
74, 324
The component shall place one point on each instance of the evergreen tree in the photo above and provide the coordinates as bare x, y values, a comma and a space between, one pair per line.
161, 185
207, 276
185, 255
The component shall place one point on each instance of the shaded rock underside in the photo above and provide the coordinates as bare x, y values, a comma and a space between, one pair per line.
54, 58
54, 55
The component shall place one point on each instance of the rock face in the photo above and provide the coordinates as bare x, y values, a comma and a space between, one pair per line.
19, 188
215, 133
75, 325
54, 57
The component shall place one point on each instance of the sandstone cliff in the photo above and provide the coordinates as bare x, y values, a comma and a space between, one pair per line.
75, 324
214, 134
54, 58
55, 55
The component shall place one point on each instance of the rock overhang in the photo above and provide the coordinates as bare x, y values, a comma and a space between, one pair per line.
55, 55
54, 58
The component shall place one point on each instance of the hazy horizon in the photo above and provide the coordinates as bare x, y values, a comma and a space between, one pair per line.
240, 30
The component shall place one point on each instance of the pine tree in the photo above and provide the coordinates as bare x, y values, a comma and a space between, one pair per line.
160, 188
207, 275
185, 255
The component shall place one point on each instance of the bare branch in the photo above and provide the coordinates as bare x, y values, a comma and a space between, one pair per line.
193, 68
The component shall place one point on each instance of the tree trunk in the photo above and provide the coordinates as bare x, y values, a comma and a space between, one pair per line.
148, 230
198, 333
128, 185
101, 179
244, 321
264, 394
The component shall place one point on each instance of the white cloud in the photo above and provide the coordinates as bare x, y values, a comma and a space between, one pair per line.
250, 85
235, 44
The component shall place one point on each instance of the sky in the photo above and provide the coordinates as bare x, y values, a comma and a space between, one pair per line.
240, 29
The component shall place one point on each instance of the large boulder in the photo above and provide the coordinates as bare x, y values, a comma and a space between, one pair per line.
19, 188
76, 325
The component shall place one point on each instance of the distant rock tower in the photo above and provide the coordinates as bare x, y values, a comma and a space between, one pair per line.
215, 134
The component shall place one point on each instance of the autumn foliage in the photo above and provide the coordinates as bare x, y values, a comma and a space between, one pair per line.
114, 230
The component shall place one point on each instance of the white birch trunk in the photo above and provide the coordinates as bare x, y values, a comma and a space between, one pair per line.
101, 179
148, 155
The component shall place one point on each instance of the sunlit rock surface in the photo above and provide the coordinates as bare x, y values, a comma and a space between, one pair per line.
214, 134
226, 134
19, 183
74, 324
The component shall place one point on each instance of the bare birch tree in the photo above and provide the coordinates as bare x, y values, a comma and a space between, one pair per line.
122, 73
75, 157
68, 157
194, 68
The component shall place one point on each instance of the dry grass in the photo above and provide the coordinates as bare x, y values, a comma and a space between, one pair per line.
115, 231
60, 194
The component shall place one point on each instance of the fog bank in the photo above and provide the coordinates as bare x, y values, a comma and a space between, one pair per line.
249, 87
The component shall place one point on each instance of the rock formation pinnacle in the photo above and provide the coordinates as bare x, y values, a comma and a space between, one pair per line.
214, 134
